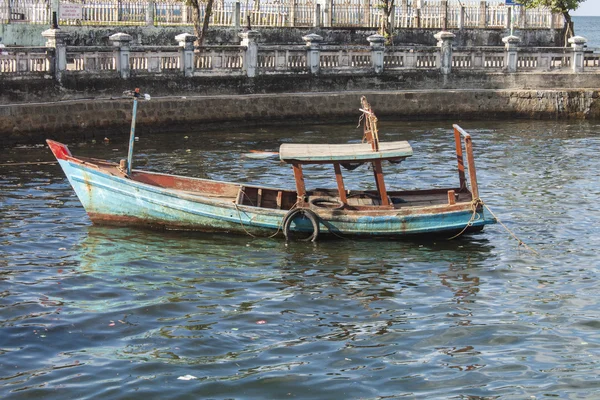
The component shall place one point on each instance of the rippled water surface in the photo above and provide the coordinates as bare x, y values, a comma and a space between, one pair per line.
89, 312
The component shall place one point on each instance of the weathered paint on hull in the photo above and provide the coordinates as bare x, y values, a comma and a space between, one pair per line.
110, 199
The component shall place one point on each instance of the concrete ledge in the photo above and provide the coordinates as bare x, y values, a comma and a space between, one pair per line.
81, 119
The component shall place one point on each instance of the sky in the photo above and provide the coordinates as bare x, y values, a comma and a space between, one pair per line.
588, 8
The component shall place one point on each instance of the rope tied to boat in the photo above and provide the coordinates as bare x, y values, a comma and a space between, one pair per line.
475, 216
279, 226
476, 202
521, 243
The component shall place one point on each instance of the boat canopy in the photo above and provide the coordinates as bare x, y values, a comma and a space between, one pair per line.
343, 153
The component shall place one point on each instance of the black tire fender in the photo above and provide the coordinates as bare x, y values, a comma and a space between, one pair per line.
312, 217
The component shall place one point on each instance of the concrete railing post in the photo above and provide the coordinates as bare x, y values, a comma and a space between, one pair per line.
237, 15
251, 59
122, 42
461, 17
392, 19
578, 45
511, 46
56, 39
445, 40
405, 23
377, 52
186, 42
483, 14
509, 22
313, 56
150, 13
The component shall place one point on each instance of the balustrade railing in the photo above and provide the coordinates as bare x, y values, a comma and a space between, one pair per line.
431, 14
252, 59
89, 59
26, 60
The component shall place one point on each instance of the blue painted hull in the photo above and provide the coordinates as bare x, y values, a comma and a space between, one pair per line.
112, 199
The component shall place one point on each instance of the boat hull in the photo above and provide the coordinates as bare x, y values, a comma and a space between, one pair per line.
118, 200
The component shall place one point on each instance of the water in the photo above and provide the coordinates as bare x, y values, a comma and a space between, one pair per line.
89, 312
589, 28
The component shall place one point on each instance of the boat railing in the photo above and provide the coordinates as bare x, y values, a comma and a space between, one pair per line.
460, 136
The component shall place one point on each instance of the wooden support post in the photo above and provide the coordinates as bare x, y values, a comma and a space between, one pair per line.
461, 162
471, 163
451, 197
259, 196
300, 188
377, 170
340, 183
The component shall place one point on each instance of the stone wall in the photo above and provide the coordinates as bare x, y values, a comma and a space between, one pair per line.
31, 35
72, 87
84, 119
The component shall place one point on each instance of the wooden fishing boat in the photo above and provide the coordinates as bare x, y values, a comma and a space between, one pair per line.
117, 194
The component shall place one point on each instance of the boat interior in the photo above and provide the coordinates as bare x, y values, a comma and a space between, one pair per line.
273, 198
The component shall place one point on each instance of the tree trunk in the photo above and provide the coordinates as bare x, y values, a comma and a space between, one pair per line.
568, 29
197, 26
206, 22
386, 28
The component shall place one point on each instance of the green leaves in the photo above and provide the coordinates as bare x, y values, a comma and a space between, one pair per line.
558, 6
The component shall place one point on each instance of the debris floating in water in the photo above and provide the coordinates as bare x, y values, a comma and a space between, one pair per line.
187, 378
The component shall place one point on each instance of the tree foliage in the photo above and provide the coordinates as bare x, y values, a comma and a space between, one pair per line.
563, 7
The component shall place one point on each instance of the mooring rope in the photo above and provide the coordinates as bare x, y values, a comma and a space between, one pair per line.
475, 216
279, 226
521, 243
242, 222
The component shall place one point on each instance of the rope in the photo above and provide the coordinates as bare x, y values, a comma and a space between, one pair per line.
521, 243
279, 226
241, 222
474, 203
475, 216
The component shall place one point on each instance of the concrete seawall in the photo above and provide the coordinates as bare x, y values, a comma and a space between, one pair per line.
81, 119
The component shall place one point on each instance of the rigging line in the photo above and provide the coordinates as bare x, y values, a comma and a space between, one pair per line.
474, 205
241, 222
280, 225
521, 243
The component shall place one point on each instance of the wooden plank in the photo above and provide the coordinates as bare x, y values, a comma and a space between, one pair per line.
239, 199
340, 183
353, 152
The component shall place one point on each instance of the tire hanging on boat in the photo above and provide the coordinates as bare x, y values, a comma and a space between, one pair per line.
310, 215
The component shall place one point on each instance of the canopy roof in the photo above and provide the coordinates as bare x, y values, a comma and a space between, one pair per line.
342, 153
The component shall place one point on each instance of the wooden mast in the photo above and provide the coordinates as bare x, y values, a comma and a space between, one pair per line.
371, 135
